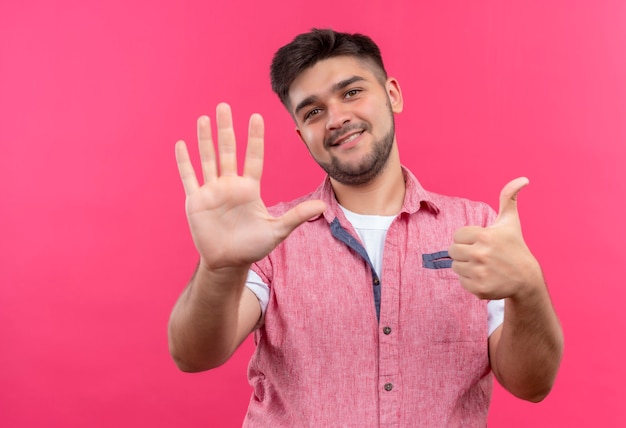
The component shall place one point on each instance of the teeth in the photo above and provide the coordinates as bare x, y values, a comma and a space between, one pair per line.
350, 138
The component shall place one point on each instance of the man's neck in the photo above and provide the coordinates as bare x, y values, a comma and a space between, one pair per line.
384, 195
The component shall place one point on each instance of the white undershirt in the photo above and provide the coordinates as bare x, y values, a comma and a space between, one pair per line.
372, 229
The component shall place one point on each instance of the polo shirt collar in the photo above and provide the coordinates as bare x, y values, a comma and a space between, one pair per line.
415, 198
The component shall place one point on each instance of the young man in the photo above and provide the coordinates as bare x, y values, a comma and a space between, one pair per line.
373, 301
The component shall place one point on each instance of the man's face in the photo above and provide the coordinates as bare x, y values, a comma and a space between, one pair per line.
344, 115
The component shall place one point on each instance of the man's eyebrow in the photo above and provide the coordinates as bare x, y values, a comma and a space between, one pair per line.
305, 102
347, 82
336, 87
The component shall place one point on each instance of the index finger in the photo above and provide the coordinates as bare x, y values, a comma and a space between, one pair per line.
253, 166
467, 235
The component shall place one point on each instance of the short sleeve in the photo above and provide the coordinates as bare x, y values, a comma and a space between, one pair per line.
495, 310
259, 288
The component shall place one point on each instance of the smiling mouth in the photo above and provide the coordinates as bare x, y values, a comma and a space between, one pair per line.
344, 140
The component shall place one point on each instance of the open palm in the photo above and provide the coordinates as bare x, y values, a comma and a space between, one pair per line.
229, 222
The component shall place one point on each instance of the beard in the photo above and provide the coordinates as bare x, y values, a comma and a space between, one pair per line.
369, 167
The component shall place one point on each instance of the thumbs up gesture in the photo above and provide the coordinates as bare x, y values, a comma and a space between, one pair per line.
494, 262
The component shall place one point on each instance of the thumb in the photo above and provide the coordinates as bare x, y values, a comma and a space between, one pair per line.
508, 200
299, 214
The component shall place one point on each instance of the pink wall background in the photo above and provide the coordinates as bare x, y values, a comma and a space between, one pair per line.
94, 245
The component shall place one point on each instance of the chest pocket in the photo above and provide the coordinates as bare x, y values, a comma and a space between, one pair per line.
458, 315
438, 260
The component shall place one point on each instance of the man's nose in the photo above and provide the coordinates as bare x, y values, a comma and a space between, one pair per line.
337, 115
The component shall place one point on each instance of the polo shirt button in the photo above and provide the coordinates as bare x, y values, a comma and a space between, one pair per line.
388, 387
376, 281
387, 330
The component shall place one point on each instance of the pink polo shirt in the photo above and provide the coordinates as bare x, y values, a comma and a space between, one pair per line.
342, 346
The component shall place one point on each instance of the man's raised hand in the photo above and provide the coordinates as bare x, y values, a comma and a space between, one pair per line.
229, 222
494, 262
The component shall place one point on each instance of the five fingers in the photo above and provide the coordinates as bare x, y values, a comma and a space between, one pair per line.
227, 150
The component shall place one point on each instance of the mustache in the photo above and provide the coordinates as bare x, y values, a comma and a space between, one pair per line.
344, 130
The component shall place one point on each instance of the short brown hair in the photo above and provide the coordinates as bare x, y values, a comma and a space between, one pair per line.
308, 49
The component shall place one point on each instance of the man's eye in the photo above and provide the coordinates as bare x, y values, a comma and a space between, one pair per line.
312, 113
351, 93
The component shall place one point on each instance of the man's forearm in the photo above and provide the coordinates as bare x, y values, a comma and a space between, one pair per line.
529, 350
203, 325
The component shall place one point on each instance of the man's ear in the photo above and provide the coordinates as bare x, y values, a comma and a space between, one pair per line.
299, 134
395, 95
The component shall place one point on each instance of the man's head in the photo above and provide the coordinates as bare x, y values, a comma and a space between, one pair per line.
336, 89
308, 49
